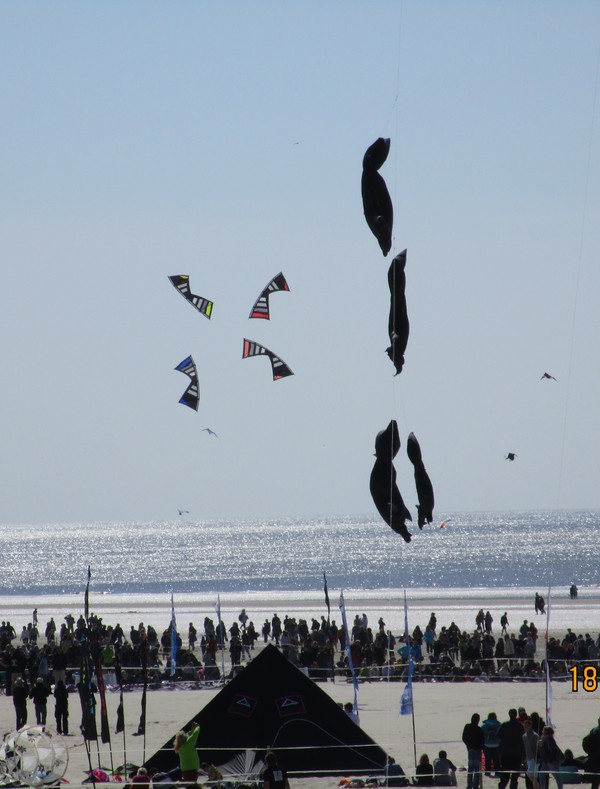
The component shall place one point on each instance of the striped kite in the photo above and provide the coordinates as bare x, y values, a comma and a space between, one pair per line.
182, 283
191, 396
261, 305
280, 368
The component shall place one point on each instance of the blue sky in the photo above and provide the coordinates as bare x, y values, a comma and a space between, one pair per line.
224, 140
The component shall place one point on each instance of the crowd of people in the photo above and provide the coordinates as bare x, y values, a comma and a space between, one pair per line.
32, 664
524, 744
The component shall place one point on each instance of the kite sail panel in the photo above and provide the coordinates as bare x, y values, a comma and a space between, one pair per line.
191, 396
377, 204
182, 283
280, 368
261, 305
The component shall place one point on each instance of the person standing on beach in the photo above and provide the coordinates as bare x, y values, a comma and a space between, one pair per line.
474, 740
20, 695
550, 757
274, 777
504, 623
491, 747
184, 746
591, 745
531, 743
61, 707
39, 694
512, 750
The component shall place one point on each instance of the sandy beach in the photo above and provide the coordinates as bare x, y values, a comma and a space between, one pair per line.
441, 711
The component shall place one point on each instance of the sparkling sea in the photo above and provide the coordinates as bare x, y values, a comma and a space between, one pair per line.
480, 559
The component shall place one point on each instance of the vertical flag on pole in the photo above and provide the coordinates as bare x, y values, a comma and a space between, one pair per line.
348, 651
406, 700
173, 638
548, 681
86, 598
220, 641
119, 676
144, 660
326, 596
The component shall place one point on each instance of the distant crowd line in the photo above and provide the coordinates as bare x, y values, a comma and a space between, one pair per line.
318, 647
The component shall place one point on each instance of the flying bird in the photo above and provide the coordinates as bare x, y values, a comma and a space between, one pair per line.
547, 375
183, 512
181, 282
510, 456
209, 431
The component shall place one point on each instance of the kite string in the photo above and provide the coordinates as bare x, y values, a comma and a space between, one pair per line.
578, 276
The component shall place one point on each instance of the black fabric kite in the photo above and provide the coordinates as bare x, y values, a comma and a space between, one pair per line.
280, 368
191, 396
377, 204
182, 283
272, 704
384, 490
261, 305
422, 482
398, 325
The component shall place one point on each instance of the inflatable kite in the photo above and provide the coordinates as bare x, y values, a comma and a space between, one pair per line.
191, 396
261, 305
398, 325
280, 368
182, 283
377, 204
422, 482
385, 493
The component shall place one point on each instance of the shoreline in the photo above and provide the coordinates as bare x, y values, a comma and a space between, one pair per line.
453, 605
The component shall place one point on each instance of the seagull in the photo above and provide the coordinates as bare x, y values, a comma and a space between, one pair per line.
210, 432
547, 375
183, 512
510, 456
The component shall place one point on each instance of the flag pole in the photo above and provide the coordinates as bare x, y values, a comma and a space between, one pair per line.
547, 662
407, 700
327, 603
349, 651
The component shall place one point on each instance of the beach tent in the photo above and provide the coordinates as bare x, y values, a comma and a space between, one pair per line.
272, 704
